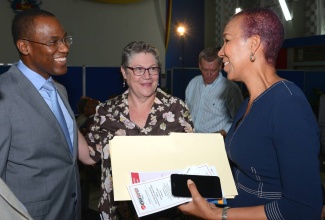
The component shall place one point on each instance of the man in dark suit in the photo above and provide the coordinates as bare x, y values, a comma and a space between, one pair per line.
38, 155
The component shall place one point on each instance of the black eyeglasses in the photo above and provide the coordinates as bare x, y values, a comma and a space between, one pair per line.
139, 71
67, 41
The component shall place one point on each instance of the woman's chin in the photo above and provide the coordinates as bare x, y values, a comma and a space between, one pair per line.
148, 93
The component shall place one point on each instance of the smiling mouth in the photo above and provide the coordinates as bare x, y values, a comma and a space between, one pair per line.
62, 59
146, 84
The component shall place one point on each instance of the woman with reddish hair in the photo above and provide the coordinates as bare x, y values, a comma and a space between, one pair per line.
273, 143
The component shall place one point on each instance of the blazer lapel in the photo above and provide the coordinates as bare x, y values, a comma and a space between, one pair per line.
67, 105
32, 97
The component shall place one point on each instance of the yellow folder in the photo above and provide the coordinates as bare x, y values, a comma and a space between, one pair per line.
176, 151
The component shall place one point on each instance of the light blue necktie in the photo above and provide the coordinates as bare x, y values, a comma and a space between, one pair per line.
51, 90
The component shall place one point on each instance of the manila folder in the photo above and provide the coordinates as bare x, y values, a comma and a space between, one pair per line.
176, 151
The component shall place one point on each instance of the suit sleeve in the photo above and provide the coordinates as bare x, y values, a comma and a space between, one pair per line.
296, 141
5, 139
321, 122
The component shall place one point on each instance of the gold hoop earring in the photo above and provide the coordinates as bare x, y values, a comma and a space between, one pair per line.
252, 57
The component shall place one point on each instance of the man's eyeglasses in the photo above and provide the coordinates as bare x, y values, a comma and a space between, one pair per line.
67, 41
139, 71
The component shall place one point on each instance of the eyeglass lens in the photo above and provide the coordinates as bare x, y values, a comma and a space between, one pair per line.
139, 71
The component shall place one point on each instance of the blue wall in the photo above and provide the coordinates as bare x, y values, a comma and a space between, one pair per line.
191, 14
72, 81
105, 82
101, 83
304, 41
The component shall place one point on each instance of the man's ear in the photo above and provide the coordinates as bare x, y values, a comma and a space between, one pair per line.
22, 46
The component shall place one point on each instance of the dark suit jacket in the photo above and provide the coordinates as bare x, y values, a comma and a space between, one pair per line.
35, 160
321, 122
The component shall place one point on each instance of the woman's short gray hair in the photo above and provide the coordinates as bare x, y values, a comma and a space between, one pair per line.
137, 47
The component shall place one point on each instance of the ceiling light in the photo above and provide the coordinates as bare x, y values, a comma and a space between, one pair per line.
285, 10
181, 30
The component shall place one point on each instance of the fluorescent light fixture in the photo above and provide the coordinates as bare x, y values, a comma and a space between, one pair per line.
285, 10
237, 10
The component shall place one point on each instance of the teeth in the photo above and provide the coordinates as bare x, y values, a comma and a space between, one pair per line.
226, 63
61, 59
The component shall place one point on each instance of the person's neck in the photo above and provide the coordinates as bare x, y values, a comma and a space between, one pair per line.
260, 82
140, 108
140, 102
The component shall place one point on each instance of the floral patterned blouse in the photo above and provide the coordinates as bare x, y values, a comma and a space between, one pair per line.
168, 114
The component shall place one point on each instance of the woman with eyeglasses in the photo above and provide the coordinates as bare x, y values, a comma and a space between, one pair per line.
143, 109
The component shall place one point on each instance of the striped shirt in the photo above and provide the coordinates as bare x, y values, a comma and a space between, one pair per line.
213, 106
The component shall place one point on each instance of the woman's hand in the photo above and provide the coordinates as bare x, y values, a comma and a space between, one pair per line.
323, 212
199, 207
223, 133
83, 150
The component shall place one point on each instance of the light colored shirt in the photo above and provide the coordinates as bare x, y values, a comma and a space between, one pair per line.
38, 81
213, 107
